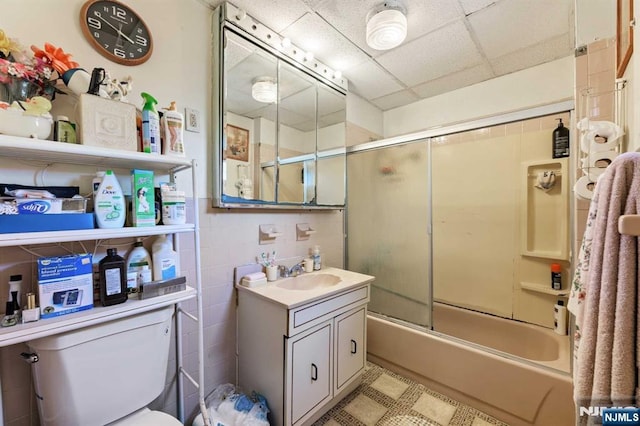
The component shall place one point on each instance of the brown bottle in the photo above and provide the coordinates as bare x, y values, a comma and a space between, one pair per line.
113, 279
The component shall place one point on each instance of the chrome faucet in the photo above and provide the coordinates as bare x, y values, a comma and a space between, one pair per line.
294, 271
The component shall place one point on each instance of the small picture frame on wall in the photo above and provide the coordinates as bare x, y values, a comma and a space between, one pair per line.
624, 35
237, 143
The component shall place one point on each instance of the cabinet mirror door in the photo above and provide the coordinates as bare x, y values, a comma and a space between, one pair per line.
250, 114
297, 136
331, 162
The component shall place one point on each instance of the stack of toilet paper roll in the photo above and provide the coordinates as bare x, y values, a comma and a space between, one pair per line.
598, 143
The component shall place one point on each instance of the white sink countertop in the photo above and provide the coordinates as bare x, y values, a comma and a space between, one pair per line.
294, 298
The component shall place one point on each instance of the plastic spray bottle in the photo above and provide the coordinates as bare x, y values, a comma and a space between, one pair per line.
173, 125
150, 125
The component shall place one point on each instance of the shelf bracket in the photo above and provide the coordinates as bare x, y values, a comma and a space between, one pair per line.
267, 234
303, 231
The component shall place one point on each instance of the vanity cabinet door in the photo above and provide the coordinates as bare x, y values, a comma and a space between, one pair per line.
350, 346
310, 364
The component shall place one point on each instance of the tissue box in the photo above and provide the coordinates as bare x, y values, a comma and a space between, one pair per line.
107, 123
14, 223
65, 284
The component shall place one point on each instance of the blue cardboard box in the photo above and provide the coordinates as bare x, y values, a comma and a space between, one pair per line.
12, 223
65, 284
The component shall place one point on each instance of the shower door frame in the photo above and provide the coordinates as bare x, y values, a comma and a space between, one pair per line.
428, 135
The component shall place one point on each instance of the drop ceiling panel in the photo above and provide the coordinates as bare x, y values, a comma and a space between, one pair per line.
548, 50
509, 26
450, 43
369, 80
472, 6
314, 34
454, 81
395, 100
275, 14
349, 17
444, 51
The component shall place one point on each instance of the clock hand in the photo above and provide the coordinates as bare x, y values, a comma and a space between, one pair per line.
99, 15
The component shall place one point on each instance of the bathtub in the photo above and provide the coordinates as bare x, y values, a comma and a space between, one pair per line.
516, 392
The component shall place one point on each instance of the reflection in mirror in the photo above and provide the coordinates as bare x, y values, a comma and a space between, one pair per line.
331, 162
279, 124
249, 116
296, 113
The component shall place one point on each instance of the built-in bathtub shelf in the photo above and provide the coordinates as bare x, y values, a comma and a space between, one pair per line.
544, 288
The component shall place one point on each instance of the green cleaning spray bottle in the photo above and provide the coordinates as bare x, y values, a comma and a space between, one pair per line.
150, 125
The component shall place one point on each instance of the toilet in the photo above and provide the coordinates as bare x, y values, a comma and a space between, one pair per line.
105, 374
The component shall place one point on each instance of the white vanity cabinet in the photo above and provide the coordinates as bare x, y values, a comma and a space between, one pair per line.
304, 350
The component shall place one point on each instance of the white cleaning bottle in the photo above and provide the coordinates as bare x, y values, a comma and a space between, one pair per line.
137, 259
560, 318
166, 264
173, 125
109, 205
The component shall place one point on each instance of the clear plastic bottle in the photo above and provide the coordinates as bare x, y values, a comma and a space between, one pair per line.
317, 259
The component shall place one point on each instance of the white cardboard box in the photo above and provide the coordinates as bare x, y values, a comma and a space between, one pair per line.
65, 284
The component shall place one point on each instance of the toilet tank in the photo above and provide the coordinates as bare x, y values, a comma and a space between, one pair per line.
100, 373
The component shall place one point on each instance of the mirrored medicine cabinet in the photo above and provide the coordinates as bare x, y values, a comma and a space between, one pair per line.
279, 123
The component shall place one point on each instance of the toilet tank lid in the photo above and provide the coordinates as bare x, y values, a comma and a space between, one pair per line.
107, 328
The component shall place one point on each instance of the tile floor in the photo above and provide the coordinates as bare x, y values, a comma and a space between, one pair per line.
387, 399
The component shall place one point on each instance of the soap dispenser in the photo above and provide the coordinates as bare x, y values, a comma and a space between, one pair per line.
560, 146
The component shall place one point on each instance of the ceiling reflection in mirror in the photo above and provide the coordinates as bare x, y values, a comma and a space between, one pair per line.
282, 137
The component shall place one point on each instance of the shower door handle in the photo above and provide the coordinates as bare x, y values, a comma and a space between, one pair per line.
314, 372
354, 346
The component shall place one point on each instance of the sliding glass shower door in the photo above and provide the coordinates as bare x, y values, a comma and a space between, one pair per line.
388, 228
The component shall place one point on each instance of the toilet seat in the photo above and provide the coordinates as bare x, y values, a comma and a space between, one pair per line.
146, 417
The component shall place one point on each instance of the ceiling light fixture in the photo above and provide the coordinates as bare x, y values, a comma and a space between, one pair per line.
264, 89
386, 25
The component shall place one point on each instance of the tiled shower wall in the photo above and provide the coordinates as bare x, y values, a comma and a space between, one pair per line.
595, 72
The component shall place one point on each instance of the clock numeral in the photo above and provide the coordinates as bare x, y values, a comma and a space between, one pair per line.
120, 13
94, 23
96, 34
106, 45
119, 53
140, 49
141, 40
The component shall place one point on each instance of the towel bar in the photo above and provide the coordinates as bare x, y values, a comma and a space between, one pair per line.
629, 224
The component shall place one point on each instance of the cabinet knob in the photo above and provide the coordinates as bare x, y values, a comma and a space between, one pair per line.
354, 346
314, 372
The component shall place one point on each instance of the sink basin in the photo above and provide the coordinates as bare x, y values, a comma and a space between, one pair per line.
309, 282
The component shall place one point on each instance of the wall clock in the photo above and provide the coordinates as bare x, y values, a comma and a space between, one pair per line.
116, 31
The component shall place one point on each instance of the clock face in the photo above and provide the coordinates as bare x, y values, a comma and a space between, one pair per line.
116, 31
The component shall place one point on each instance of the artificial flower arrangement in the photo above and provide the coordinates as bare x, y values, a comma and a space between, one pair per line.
23, 76
27, 86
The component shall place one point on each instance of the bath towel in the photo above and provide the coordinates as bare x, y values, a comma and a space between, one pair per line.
604, 295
